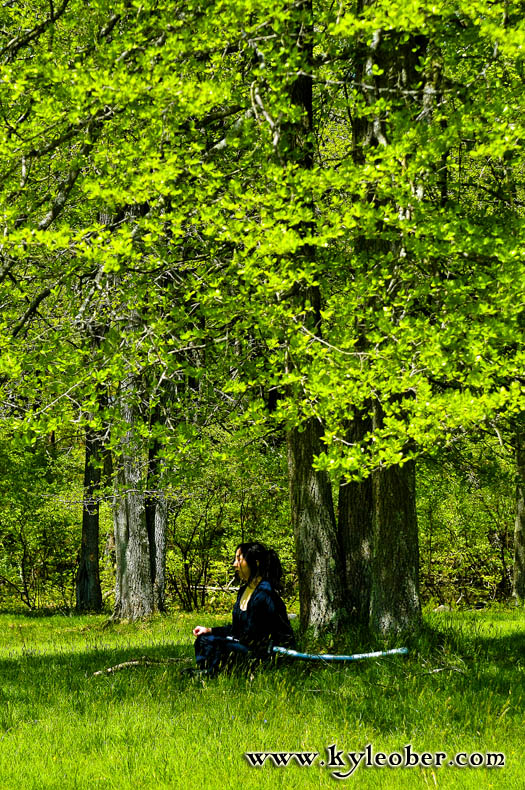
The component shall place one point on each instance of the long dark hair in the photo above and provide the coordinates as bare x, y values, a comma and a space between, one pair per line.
263, 562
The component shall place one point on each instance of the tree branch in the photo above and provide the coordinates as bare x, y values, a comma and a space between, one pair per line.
31, 310
21, 41
144, 661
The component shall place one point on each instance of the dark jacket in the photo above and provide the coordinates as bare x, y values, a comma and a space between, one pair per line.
265, 620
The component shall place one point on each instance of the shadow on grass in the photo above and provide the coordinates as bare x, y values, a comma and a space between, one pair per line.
468, 639
454, 675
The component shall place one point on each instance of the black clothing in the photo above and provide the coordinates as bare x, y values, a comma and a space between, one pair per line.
252, 632
264, 621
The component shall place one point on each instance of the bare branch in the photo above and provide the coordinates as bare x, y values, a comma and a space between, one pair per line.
31, 310
143, 661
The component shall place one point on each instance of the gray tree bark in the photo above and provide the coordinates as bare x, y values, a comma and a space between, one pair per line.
319, 561
156, 522
518, 576
394, 596
394, 599
134, 586
160, 531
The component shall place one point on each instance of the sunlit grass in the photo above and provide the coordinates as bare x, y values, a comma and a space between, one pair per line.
461, 689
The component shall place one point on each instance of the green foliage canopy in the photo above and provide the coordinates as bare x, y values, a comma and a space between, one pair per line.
150, 202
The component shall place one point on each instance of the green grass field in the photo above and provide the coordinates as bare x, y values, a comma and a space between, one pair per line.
461, 690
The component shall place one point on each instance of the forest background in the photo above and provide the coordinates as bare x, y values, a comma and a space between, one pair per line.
262, 277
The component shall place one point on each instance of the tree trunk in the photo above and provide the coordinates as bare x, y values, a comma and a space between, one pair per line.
160, 530
156, 521
387, 66
356, 524
88, 590
319, 562
134, 587
518, 578
394, 599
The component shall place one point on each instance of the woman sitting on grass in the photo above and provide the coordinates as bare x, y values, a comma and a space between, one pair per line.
259, 615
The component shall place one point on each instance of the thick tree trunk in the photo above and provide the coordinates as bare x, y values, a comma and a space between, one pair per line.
356, 533
88, 590
134, 587
394, 599
518, 578
319, 561
387, 66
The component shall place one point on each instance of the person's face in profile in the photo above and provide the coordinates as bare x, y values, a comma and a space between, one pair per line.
241, 566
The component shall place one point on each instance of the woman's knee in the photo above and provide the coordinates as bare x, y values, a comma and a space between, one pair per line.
202, 640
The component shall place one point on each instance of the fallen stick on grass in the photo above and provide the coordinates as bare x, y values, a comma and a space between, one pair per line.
143, 661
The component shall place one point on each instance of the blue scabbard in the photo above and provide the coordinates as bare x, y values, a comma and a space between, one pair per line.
396, 651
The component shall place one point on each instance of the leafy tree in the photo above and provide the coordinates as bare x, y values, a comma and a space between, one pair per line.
317, 203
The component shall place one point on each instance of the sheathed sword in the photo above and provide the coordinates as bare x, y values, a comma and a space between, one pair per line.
285, 651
